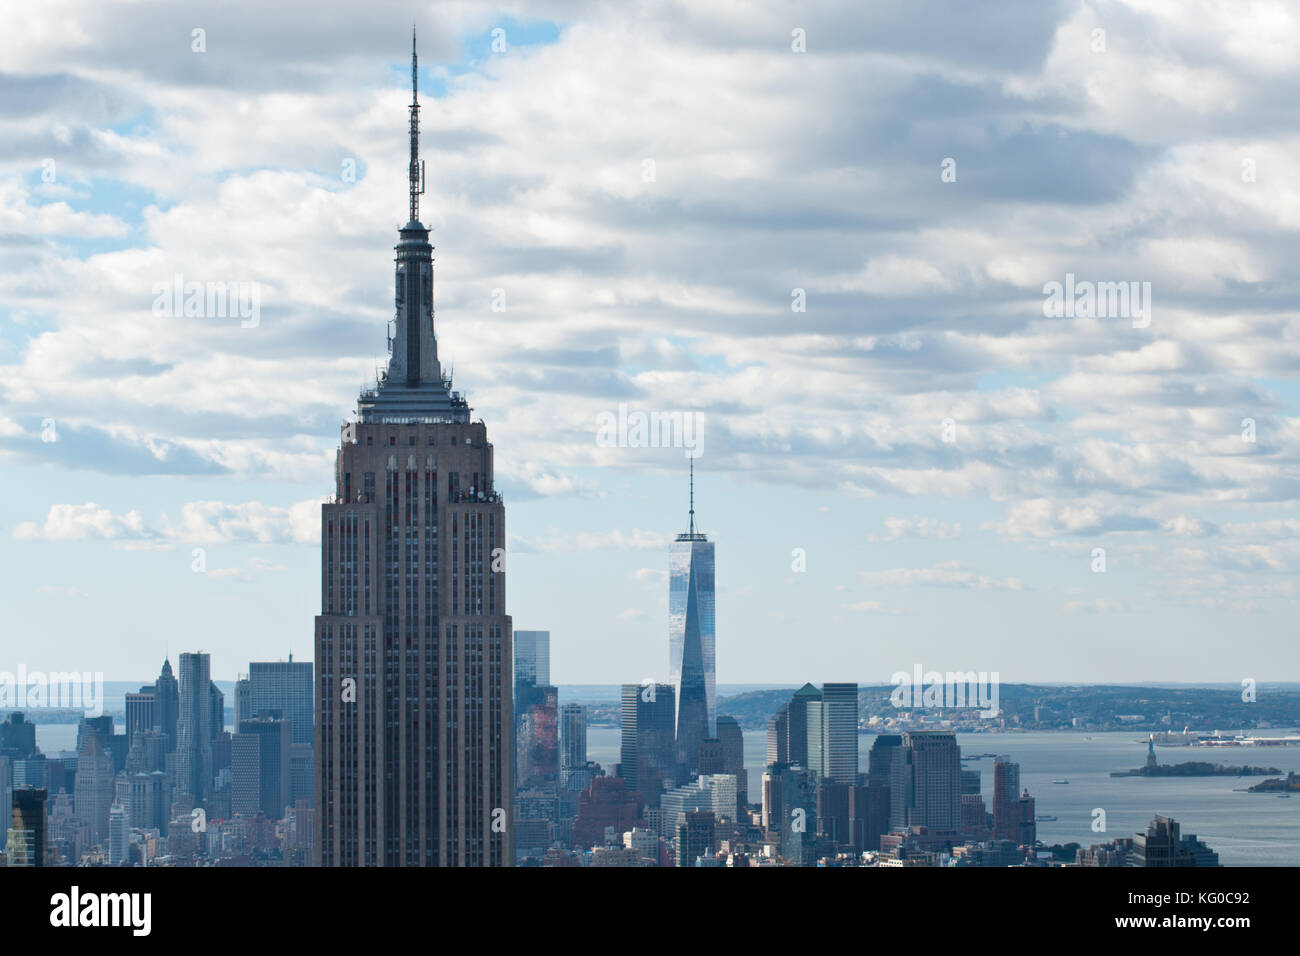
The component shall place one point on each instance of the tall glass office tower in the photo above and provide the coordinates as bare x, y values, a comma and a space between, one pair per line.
691, 665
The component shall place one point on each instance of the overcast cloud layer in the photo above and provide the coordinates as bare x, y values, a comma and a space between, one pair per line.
1160, 150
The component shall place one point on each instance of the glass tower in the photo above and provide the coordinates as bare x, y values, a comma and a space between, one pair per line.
691, 664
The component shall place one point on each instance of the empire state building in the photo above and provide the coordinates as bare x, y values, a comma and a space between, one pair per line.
414, 731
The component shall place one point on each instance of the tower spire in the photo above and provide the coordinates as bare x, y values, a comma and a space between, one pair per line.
692, 531
415, 173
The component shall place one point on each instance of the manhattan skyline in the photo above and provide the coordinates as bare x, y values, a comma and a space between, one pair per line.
130, 439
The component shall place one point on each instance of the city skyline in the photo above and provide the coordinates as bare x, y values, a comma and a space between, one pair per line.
898, 428
130, 438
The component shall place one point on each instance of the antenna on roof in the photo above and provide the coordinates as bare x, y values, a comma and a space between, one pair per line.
416, 172
692, 494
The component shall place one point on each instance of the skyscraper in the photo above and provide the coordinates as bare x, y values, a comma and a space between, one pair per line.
119, 828
732, 739
217, 702
815, 732
573, 746
141, 712
414, 735
532, 657
647, 760
259, 764
25, 836
927, 782
94, 787
1006, 800
778, 737
839, 718
167, 704
243, 700
537, 744
284, 687
797, 726
194, 730
691, 663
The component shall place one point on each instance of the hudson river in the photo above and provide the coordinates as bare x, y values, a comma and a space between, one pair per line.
1245, 829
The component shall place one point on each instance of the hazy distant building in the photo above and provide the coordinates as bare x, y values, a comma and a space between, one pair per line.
141, 712
217, 701
532, 657
815, 737
573, 746
1013, 810
647, 758
415, 733
302, 777
1113, 854
144, 794
259, 764
94, 787
167, 704
926, 782
790, 807
833, 816
1163, 845
243, 700
194, 727
732, 739
880, 762
778, 737
975, 819
17, 736
699, 794
25, 836
607, 803
119, 828
101, 727
1006, 795
839, 723
283, 687
797, 726
695, 836
537, 736
868, 816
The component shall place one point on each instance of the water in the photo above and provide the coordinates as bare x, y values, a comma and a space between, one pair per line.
1245, 829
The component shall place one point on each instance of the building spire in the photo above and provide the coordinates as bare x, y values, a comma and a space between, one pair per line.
692, 531
415, 173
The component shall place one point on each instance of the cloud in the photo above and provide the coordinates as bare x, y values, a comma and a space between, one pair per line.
82, 522
899, 528
651, 576
200, 523
557, 541
876, 607
1161, 160
949, 574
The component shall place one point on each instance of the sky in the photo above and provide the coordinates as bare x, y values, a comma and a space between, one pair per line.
828, 231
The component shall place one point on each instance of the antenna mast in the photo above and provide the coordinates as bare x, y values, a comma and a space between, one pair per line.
416, 172
692, 531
